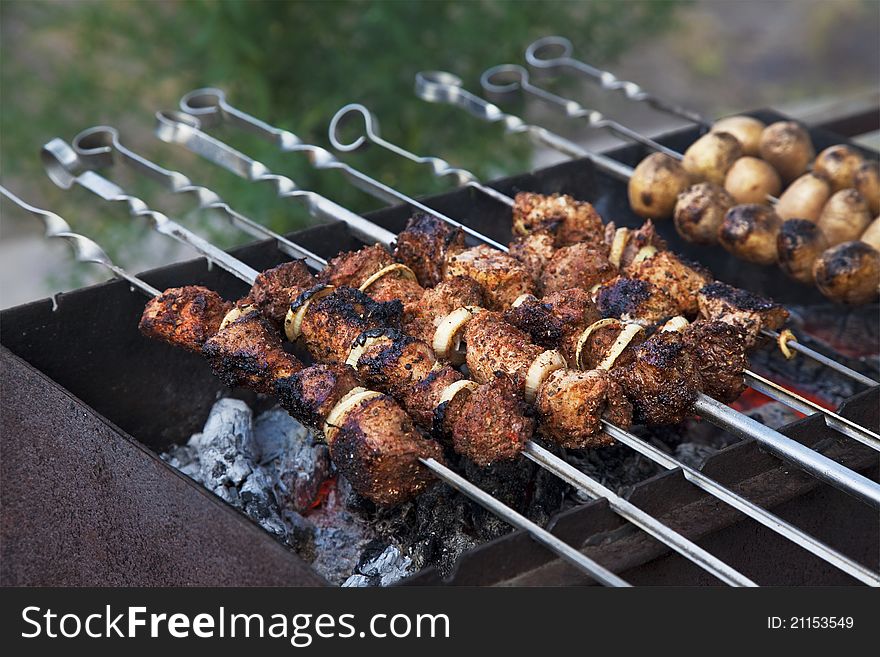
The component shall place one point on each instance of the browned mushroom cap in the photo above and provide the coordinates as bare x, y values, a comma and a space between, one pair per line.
804, 198
867, 182
749, 232
746, 129
700, 212
655, 185
872, 234
752, 180
788, 147
839, 165
711, 156
798, 244
849, 272
844, 217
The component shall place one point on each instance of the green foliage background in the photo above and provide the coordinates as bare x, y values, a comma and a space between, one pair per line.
68, 66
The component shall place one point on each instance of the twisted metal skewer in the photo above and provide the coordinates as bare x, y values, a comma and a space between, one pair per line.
536, 55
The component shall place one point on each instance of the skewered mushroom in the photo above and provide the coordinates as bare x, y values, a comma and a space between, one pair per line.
838, 164
872, 234
844, 217
788, 147
746, 129
711, 156
752, 180
655, 185
749, 232
799, 243
849, 272
700, 212
867, 182
804, 198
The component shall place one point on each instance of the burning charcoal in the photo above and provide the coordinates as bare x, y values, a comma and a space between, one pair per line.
694, 454
383, 569
226, 447
773, 414
258, 501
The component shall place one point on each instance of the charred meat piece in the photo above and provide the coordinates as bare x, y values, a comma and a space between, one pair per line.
422, 400
598, 345
493, 345
636, 301
556, 320
275, 289
645, 235
719, 350
576, 266
502, 278
569, 220
736, 306
535, 317
533, 251
573, 402
391, 361
680, 280
424, 244
332, 323
311, 393
184, 316
352, 268
662, 382
437, 302
248, 353
377, 448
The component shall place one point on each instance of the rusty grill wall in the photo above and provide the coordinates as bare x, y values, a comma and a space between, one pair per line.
84, 393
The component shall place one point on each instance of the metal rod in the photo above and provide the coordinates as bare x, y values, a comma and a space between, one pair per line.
542, 536
794, 345
212, 103
811, 461
506, 79
635, 515
833, 420
183, 129
537, 55
752, 510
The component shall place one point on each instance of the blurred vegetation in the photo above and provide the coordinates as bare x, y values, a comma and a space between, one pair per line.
68, 66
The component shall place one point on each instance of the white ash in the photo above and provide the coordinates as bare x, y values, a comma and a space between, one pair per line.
388, 567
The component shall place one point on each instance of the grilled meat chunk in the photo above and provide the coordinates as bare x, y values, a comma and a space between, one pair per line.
275, 289
377, 448
184, 316
248, 353
645, 235
424, 244
569, 220
422, 400
391, 361
575, 401
680, 280
310, 394
719, 350
556, 320
502, 278
535, 317
735, 306
332, 323
635, 300
576, 266
493, 345
437, 302
533, 251
598, 345
663, 381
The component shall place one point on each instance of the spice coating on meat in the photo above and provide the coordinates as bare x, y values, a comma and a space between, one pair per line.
424, 244
535, 318
662, 382
736, 306
493, 345
645, 235
422, 400
599, 342
719, 350
310, 394
573, 403
533, 251
491, 424
274, 289
248, 353
635, 300
556, 320
352, 268
184, 316
502, 278
576, 266
680, 280
392, 361
437, 302
332, 323
569, 220
377, 448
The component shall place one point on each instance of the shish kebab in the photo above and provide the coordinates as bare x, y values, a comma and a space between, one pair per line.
185, 130
369, 421
343, 326
443, 87
181, 184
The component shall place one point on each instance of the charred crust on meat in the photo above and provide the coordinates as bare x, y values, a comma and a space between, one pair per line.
536, 319
184, 316
353, 306
311, 393
623, 297
737, 297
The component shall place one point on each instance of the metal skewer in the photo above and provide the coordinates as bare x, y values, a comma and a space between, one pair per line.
537, 55
442, 87
87, 250
551, 462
